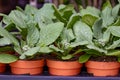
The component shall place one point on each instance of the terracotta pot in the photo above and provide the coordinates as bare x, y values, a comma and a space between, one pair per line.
2, 67
103, 68
27, 67
64, 68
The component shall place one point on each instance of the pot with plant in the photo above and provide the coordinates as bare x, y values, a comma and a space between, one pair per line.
63, 60
102, 41
32, 40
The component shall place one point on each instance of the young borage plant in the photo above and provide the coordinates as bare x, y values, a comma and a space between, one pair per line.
64, 46
103, 37
33, 38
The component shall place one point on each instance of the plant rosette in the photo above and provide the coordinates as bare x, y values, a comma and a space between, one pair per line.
101, 38
35, 33
63, 60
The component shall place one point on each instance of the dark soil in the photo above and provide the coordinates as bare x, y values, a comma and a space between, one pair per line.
104, 59
56, 58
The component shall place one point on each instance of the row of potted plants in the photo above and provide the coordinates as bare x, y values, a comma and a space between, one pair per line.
63, 38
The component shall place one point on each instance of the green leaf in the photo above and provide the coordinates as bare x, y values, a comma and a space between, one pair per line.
47, 11
33, 35
96, 48
6, 18
91, 11
115, 10
114, 45
107, 17
18, 18
67, 35
73, 19
30, 10
6, 34
19, 9
58, 15
67, 57
6, 48
106, 36
115, 30
117, 23
75, 44
45, 50
7, 58
10, 27
56, 49
31, 51
89, 19
50, 33
84, 58
4, 41
113, 53
107, 4
97, 29
66, 11
83, 32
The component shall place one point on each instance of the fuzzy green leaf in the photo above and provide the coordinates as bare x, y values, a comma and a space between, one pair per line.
32, 51
58, 15
107, 4
4, 41
115, 30
97, 29
115, 10
33, 35
114, 45
56, 49
73, 19
90, 10
83, 32
45, 50
84, 58
107, 17
89, 19
18, 18
117, 23
113, 53
67, 35
67, 57
7, 58
50, 33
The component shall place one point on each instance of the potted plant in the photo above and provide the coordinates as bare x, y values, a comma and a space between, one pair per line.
32, 39
101, 42
63, 60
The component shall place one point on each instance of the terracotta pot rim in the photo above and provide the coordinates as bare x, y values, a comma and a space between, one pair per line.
103, 61
61, 60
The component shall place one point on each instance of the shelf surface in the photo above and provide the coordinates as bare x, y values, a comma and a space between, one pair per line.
46, 76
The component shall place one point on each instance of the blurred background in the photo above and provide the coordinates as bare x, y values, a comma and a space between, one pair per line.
7, 5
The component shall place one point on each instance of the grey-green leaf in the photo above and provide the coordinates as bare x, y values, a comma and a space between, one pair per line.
67, 57
97, 29
32, 51
50, 33
90, 10
32, 35
115, 30
73, 19
18, 18
4, 41
89, 19
83, 32
7, 58
107, 17
45, 50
